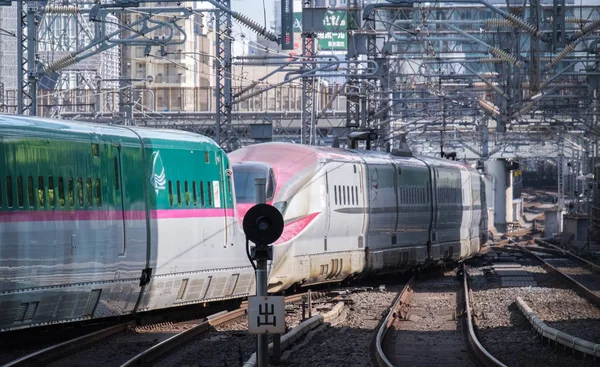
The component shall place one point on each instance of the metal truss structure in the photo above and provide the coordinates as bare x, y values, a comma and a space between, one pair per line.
482, 78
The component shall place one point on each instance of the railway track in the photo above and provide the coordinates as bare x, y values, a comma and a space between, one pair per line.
429, 324
581, 274
57, 354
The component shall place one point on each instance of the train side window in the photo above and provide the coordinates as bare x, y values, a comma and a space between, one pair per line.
187, 193
95, 150
116, 173
41, 194
20, 195
30, 196
170, 192
80, 192
202, 193
344, 194
98, 193
352, 194
51, 193
178, 193
348, 194
71, 193
209, 193
356, 192
206, 157
90, 192
335, 193
194, 193
9, 192
61, 192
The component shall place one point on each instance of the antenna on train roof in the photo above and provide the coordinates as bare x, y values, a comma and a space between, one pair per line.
403, 149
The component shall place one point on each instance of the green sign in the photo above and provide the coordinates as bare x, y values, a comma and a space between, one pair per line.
335, 39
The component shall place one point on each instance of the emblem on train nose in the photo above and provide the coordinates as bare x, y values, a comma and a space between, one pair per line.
158, 179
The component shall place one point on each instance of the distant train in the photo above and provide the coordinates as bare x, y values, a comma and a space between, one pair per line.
355, 212
99, 221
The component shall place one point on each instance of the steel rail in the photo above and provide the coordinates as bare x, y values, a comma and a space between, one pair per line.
44, 356
376, 354
582, 289
588, 264
176, 340
475, 348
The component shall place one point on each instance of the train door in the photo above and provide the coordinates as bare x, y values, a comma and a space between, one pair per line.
119, 188
225, 193
467, 206
345, 207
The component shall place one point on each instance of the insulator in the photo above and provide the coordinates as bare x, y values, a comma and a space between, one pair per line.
498, 23
576, 20
255, 27
521, 24
246, 89
65, 62
505, 56
491, 60
589, 28
61, 9
570, 47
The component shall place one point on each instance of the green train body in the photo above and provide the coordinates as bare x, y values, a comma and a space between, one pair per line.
106, 220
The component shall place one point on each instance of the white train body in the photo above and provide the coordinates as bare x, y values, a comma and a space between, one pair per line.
355, 213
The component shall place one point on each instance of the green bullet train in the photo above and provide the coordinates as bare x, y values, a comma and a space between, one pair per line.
99, 221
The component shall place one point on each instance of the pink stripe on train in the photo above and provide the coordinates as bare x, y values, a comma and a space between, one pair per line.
108, 215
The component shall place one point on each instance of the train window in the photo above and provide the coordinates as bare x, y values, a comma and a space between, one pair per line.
41, 196
71, 193
202, 193
80, 192
356, 192
20, 195
95, 150
98, 192
30, 195
335, 193
206, 157
348, 194
90, 193
178, 193
187, 193
9, 191
344, 194
170, 193
399, 170
354, 166
51, 197
208, 188
116, 173
194, 193
61, 192
270, 185
352, 192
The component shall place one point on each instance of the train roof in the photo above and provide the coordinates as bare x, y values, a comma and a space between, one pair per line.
276, 152
24, 126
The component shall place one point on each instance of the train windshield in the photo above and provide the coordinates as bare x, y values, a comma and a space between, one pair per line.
243, 180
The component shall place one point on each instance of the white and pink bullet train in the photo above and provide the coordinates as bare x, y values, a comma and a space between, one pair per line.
351, 213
